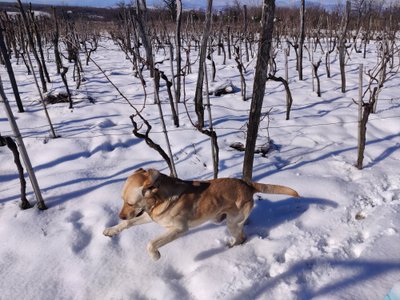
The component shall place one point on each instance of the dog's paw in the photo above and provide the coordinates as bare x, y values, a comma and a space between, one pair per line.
231, 243
110, 232
154, 254
234, 242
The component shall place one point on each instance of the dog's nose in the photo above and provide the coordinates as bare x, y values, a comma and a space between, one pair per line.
122, 216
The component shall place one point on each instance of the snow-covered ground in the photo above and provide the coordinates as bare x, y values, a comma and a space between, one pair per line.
308, 248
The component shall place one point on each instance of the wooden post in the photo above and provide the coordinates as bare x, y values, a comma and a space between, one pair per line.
17, 135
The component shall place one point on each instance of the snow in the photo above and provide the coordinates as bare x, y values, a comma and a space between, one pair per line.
36, 12
339, 241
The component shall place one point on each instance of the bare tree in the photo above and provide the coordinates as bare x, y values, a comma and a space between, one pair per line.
150, 142
315, 66
9, 142
38, 37
136, 129
242, 71
211, 132
140, 17
245, 22
178, 50
377, 76
172, 7
342, 45
169, 84
10, 71
301, 39
32, 45
261, 75
198, 97
331, 45
60, 68
17, 134
158, 102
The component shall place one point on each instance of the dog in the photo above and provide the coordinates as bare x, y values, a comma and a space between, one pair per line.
178, 205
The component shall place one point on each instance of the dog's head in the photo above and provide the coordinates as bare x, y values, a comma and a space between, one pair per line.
138, 190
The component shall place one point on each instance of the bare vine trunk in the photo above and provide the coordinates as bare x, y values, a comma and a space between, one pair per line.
342, 46
10, 72
260, 78
158, 102
211, 133
39, 45
301, 42
17, 135
198, 97
139, 17
8, 141
178, 50
32, 46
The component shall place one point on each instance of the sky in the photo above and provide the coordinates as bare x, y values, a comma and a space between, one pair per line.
187, 3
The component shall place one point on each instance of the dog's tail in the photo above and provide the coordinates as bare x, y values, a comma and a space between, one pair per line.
274, 189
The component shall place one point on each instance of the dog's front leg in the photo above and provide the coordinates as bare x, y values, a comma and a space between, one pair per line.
166, 238
143, 219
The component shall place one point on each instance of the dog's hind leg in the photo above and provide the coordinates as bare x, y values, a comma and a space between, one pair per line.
236, 222
143, 219
164, 239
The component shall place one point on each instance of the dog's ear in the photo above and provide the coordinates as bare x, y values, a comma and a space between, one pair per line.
150, 191
150, 185
153, 175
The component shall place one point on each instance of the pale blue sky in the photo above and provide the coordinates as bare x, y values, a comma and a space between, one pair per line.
186, 3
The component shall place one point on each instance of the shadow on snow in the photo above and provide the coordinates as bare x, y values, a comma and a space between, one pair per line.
265, 216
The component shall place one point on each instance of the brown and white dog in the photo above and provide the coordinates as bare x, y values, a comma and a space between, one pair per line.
178, 205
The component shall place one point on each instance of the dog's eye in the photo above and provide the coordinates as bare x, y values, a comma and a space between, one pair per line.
129, 204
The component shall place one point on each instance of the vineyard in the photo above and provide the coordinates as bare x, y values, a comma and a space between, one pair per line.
95, 99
